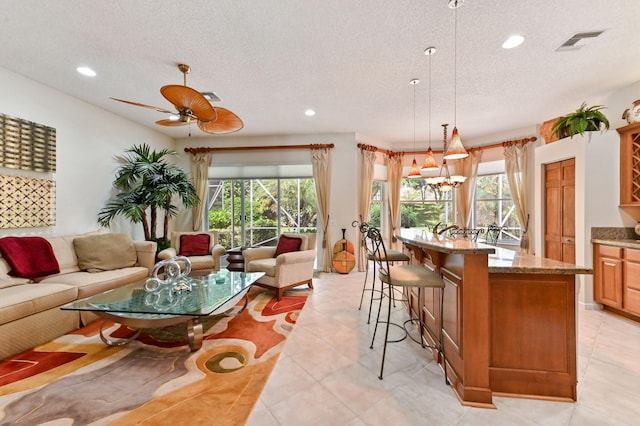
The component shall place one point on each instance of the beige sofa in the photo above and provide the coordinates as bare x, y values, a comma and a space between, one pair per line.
30, 312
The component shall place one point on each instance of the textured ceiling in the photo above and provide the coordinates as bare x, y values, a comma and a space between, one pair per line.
350, 60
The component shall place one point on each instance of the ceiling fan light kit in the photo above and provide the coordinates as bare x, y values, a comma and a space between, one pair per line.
193, 106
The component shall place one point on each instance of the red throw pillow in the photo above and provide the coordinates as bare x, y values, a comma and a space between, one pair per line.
287, 244
29, 257
194, 244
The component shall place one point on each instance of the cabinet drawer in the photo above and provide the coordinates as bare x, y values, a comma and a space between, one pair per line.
632, 301
632, 255
610, 251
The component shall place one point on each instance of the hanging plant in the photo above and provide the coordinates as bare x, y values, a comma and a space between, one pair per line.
584, 119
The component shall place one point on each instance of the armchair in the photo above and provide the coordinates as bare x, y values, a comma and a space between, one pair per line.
200, 257
287, 270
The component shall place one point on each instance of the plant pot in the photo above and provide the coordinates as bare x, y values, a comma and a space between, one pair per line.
545, 130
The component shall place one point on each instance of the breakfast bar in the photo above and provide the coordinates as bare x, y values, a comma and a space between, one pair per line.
509, 319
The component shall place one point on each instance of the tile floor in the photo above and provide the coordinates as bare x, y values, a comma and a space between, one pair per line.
327, 375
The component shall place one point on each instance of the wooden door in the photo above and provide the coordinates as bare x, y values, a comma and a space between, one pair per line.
559, 235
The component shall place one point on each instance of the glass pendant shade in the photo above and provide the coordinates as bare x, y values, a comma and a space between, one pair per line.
429, 161
414, 172
456, 150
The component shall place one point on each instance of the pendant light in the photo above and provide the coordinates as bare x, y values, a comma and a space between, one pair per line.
414, 173
447, 182
429, 161
456, 149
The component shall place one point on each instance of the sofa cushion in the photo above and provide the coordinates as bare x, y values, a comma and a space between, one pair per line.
287, 244
28, 299
194, 244
5, 279
66, 253
29, 257
266, 265
104, 252
90, 283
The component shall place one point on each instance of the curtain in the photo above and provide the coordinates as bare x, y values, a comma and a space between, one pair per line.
200, 174
464, 194
394, 179
516, 165
321, 162
367, 160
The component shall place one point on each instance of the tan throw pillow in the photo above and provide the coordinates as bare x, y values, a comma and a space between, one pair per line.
104, 252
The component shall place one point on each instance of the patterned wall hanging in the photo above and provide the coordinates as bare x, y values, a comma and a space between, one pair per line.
26, 202
27, 145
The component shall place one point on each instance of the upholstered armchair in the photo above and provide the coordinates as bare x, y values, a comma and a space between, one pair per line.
201, 248
289, 269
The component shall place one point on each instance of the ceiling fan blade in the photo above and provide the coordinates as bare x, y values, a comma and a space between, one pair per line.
186, 97
171, 123
143, 105
227, 122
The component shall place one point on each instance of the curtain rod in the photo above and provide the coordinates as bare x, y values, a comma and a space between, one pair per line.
257, 148
479, 148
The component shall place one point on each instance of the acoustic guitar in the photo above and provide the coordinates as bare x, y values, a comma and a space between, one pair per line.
343, 255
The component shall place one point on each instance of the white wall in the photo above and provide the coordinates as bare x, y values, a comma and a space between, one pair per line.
87, 140
343, 208
597, 190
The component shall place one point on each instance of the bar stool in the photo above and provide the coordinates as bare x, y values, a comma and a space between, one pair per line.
404, 276
392, 256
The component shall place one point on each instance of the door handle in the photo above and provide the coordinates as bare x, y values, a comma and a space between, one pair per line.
567, 240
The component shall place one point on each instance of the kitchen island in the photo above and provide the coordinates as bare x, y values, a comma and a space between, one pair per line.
509, 318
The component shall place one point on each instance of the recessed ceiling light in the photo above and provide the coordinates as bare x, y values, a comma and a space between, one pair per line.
513, 41
309, 113
86, 71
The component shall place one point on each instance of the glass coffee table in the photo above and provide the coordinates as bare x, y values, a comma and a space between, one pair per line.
196, 297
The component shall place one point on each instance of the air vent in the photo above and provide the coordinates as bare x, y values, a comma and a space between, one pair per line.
574, 42
211, 97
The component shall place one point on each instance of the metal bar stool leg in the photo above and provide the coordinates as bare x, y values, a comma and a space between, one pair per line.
386, 333
364, 285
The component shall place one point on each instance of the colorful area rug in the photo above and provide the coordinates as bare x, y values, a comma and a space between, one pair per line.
155, 380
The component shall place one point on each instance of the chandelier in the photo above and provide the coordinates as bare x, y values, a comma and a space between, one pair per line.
445, 183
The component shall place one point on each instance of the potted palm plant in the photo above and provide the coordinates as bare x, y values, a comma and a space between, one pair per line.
145, 183
584, 119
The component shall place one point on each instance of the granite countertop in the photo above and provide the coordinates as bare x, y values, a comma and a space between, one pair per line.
629, 243
441, 243
501, 260
619, 237
505, 261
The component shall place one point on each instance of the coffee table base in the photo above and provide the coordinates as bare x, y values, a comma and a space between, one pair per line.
195, 331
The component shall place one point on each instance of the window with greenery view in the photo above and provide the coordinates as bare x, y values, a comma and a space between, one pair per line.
420, 206
493, 206
253, 212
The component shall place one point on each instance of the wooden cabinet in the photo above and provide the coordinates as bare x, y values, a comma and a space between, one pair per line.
629, 165
617, 278
608, 275
631, 282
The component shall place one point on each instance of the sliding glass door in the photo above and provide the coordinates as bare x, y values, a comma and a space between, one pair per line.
254, 212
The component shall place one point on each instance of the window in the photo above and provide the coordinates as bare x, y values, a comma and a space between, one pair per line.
252, 212
420, 206
493, 206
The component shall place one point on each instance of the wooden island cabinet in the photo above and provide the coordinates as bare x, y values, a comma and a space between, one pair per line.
509, 318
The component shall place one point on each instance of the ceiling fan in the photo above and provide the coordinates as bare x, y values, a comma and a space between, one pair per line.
192, 106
